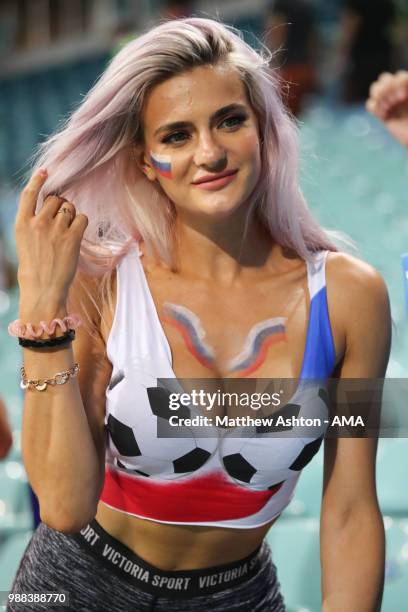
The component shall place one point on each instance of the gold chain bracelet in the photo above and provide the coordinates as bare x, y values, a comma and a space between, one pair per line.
40, 384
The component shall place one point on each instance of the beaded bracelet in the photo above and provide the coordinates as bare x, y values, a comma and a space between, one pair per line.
40, 384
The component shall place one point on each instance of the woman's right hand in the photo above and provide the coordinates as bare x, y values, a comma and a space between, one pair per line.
47, 245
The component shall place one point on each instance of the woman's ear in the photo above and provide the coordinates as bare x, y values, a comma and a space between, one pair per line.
143, 162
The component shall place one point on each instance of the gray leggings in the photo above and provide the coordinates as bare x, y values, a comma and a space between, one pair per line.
55, 562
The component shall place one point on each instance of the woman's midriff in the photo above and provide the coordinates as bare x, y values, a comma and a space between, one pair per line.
180, 547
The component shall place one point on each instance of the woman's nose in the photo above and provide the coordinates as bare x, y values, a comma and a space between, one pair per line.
210, 153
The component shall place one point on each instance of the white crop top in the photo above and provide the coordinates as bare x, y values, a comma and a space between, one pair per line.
242, 480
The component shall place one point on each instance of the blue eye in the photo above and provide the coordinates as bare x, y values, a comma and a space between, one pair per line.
237, 118
169, 139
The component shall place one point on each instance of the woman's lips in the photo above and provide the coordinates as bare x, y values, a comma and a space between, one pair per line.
217, 183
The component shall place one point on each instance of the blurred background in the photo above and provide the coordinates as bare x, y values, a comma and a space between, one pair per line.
354, 175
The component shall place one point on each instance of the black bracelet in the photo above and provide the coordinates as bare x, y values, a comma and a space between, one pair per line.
59, 341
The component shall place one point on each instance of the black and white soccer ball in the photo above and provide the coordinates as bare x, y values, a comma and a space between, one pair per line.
138, 406
263, 457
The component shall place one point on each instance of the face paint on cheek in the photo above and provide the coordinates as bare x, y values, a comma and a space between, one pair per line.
162, 163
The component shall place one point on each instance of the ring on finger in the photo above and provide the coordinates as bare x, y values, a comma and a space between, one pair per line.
65, 209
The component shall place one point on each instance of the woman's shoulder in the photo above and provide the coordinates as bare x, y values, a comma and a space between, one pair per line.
355, 287
352, 274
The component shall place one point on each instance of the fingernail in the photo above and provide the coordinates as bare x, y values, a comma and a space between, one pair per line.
42, 172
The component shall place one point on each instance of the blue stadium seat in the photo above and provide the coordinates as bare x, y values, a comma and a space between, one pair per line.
391, 477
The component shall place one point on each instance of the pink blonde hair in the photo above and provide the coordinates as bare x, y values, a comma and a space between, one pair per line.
89, 158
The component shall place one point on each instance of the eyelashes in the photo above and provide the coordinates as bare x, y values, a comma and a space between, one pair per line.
239, 119
170, 139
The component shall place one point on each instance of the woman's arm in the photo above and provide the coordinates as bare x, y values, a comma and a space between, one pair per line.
63, 440
352, 541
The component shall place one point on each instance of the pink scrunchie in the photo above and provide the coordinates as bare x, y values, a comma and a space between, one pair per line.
21, 330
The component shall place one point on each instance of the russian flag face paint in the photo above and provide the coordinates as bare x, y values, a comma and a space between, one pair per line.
162, 163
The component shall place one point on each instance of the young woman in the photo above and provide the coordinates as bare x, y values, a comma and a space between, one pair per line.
181, 165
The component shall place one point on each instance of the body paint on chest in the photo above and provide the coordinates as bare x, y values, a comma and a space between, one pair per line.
189, 326
162, 163
260, 337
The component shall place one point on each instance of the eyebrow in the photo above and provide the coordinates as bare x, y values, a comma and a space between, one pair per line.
217, 115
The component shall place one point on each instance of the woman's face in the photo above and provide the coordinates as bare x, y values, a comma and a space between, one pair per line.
199, 124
